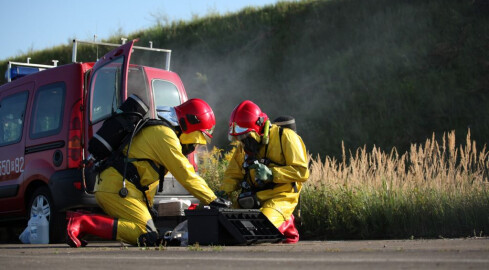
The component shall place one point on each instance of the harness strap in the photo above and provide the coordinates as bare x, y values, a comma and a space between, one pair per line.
133, 173
294, 184
281, 132
115, 159
161, 173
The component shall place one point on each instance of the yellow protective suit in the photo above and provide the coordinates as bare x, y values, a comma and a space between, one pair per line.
289, 165
160, 144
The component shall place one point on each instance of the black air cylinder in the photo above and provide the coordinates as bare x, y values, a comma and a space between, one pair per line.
117, 127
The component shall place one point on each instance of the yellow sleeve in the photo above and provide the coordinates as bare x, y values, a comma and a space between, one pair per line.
296, 165
167, 150
234, 173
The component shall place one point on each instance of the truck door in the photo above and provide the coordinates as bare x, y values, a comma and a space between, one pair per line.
13, 108
107, 88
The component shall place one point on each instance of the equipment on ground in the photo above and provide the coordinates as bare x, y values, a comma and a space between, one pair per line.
230, 227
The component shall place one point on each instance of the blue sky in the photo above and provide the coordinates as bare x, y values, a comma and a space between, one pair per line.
39, 24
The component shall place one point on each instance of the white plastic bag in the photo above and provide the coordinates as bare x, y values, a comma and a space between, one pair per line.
37, 231
24, 236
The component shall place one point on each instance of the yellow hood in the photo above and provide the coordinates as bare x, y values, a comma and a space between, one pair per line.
194, 137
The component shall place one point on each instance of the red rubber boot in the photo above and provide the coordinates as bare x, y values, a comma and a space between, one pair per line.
289, 230
80, 224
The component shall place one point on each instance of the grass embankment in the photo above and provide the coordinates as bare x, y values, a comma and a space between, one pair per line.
432, 190
384, 72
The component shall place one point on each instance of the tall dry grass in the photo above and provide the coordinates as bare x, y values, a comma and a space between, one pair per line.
432, 190
436, 189
443, 167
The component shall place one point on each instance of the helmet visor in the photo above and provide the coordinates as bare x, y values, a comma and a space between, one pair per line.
208, 138
241, 137
208, 132
236, 130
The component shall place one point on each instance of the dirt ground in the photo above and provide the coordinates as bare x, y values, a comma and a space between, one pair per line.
467, 253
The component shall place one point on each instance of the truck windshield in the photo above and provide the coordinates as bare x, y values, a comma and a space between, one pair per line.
165, 93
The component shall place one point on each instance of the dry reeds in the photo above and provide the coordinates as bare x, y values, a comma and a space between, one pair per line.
430, 191
442, 167
434, 189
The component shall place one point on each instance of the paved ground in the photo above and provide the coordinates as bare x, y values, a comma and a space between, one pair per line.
470, 253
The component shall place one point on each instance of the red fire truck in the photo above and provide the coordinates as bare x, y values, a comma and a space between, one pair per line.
48, 113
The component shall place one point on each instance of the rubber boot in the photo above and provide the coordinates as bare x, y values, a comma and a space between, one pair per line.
80, 224
289, 230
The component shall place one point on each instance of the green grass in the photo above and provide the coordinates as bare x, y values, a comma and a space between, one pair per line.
419, 213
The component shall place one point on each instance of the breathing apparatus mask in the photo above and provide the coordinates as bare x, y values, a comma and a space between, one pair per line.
250, 145
190, 141
247, 199
252, 141
187, 149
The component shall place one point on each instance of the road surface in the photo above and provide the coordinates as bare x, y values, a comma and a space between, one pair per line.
470, 253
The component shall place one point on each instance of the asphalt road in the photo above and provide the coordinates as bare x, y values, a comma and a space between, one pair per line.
471, 253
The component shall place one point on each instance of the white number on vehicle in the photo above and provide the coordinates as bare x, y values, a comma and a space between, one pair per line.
8, 166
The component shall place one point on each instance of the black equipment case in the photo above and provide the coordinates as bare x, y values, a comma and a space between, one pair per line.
230, 227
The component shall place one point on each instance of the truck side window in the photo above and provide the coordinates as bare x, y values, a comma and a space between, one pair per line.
12, 112
106, 89
47, 113
166, 93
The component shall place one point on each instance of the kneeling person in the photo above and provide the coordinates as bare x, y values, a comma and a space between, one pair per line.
161, 146
269, 166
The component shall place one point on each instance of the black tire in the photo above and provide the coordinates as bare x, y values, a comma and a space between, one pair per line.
42, 202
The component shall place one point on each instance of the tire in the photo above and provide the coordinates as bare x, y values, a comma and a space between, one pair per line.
41, 202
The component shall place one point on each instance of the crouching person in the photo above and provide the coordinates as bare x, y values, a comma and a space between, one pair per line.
269, 166
154, 151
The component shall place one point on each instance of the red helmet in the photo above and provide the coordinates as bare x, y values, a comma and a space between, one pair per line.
195, 114
247, 117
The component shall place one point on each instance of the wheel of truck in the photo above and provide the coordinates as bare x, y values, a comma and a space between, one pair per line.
41, 203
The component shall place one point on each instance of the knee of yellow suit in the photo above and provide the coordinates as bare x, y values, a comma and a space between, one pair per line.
133, 216
129, 231
275, 217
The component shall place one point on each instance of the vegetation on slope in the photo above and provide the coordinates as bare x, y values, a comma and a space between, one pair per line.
379, 72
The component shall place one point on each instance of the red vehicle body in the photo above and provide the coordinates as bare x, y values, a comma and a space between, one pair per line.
47, 119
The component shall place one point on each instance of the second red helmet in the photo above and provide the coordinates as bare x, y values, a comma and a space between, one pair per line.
247, 117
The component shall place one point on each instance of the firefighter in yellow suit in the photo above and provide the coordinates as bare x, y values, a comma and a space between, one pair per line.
129, 218
269, 166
